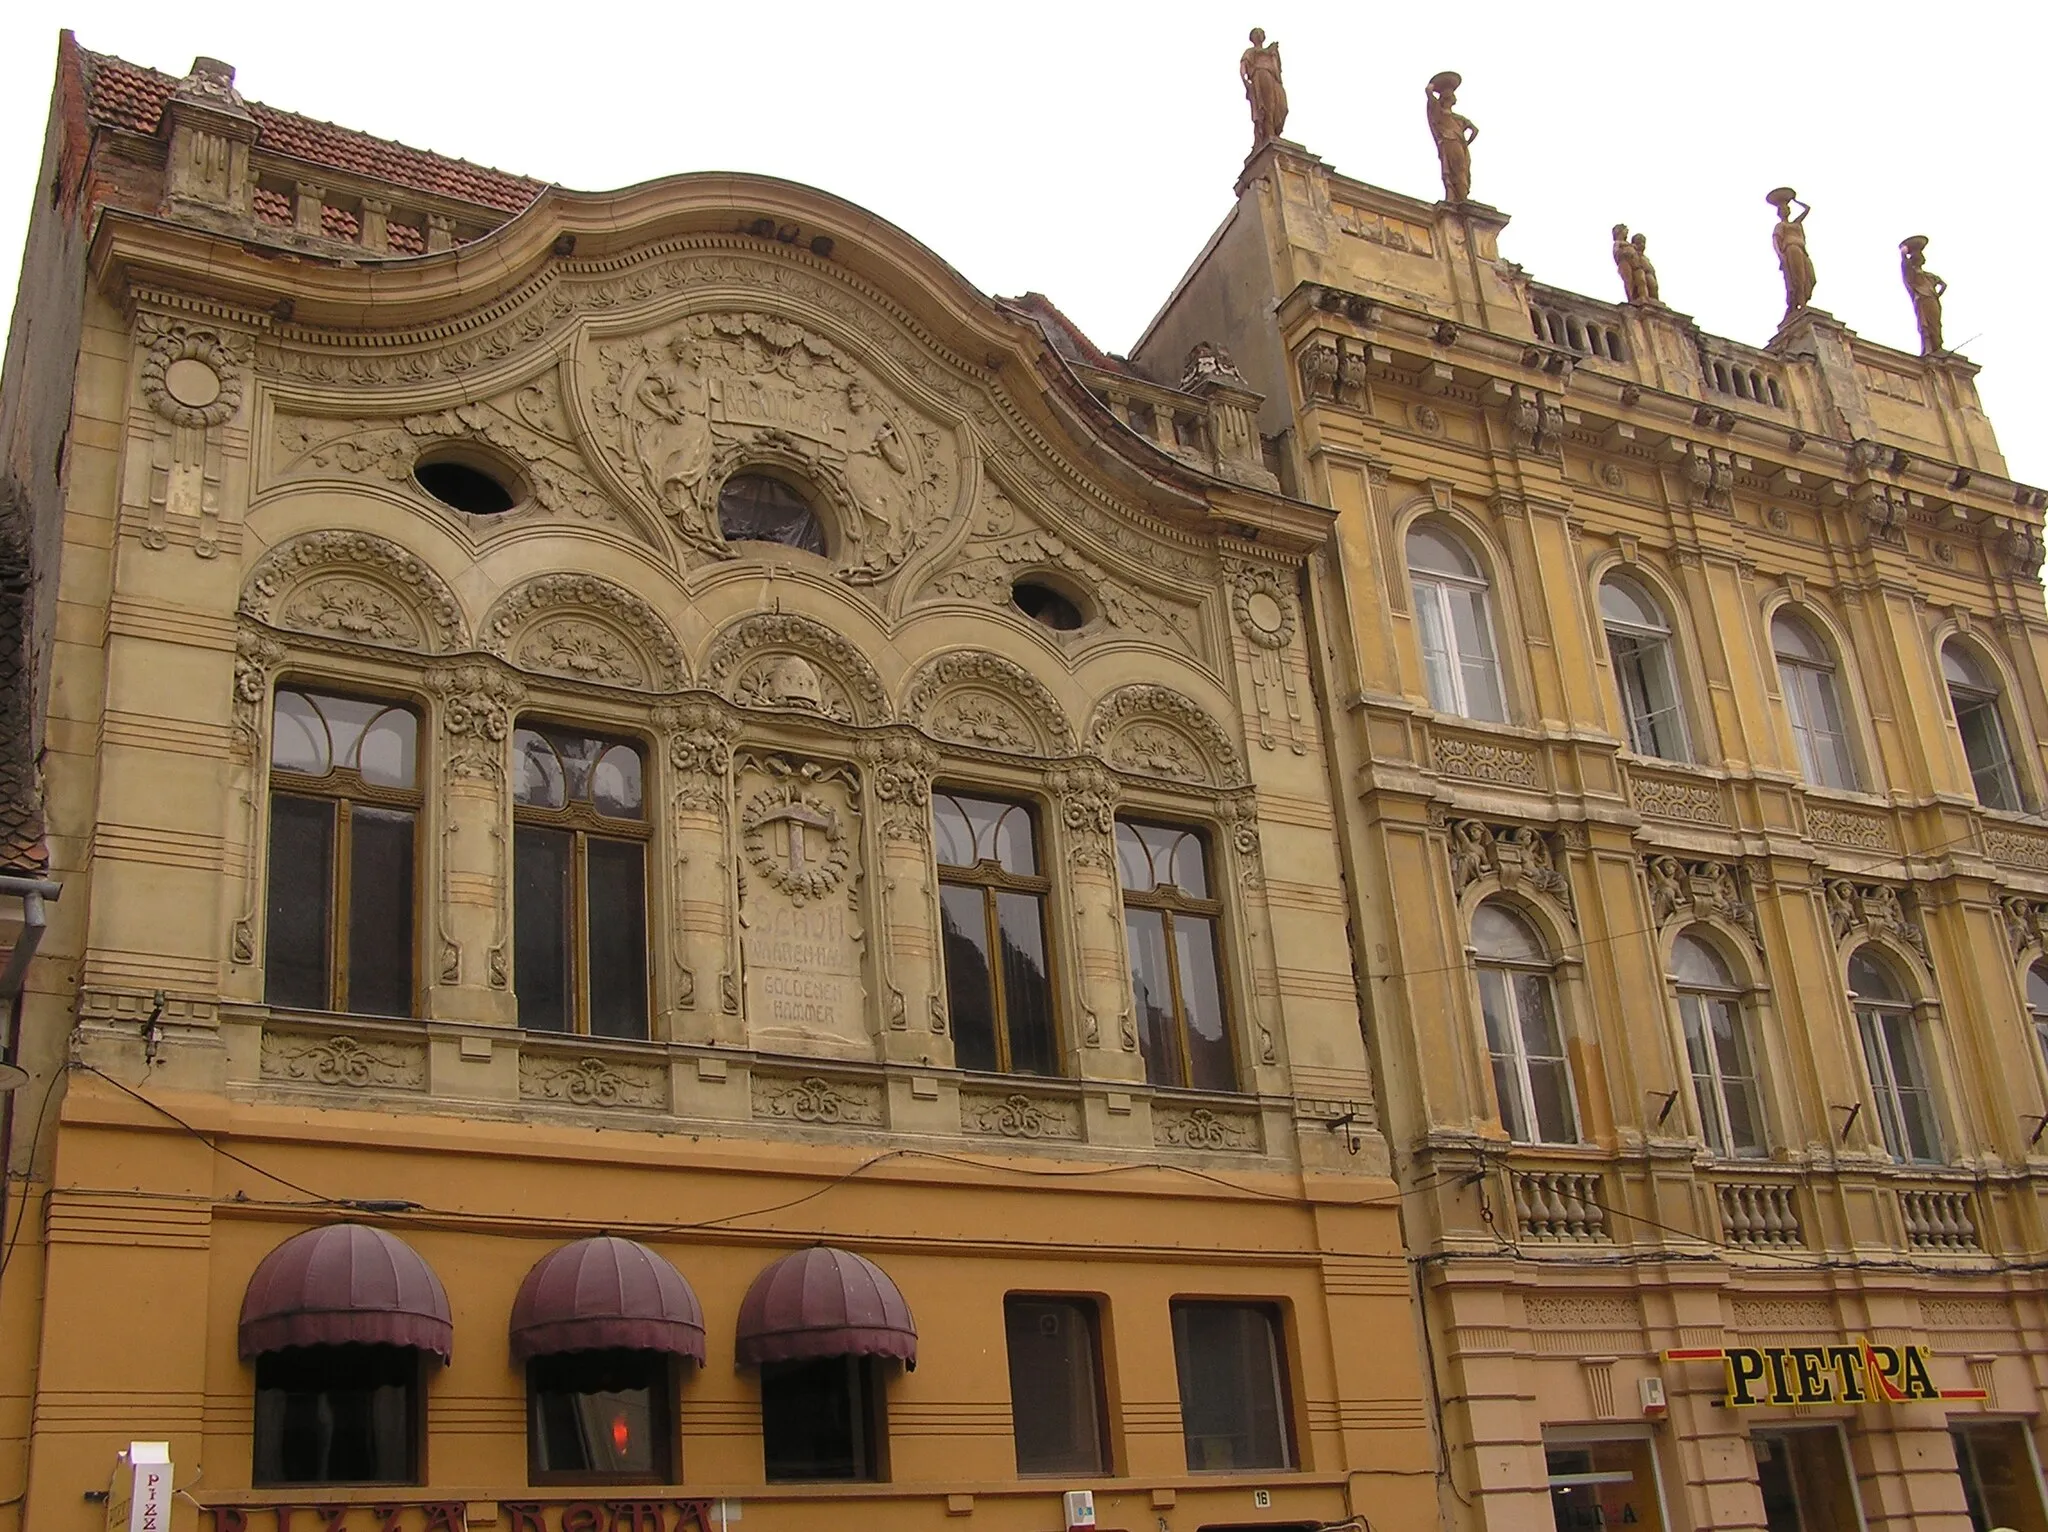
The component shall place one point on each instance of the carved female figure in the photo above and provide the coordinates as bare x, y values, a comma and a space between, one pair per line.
1259, 69
1925, 289
1789, 239
877, 465
1646, 274
671, 419
1453, 135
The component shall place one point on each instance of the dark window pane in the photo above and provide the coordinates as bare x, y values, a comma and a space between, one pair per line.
1027, 991
1152, 995
1055, 1385
600, 1414
337, 1415
970, 986
1232, 1411
617, 940
755, 508
821, 1419
296, 927
380, 939
540, 919
1210, 1066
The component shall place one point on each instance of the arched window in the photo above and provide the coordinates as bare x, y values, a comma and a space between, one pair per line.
1171, 928
1973, 693
1898, 1065
2037, 1004
1645, 668
1813, 700
1724, 1080
1531, 1079
1458, 655
755, 508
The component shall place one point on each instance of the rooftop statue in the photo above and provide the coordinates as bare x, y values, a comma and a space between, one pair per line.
1925, 289
1453, 135
1638, 276
1259, 68
1789, 239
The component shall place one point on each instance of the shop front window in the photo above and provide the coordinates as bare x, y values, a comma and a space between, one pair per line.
1595, 1485
2001, 1481
337, 1415
600, 1417
1804, 1476
821, 1419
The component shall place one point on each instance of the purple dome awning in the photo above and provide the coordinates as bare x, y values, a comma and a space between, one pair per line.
604, 1293
346, 1284
824, 1302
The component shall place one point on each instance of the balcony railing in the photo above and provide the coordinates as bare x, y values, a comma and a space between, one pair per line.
1760, 1215
1939, 1220
1563, 1205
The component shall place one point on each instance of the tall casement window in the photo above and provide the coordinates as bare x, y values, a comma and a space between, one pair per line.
1813, 703
1531, 1079
1233, 1385
992, 909
2037, 1005
1645, 669
1056, 1393
1973, 694
579, 872
1456, 629
1898, 1067
344, 818
1724, 1081
1173, 926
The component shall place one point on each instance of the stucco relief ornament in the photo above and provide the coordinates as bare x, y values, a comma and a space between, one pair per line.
192, 375
679, 411
700, 736
476, 716
783, 660
583, 628
1156, 731
1087, 802
795, 839
377, 589
900, 769
972, 697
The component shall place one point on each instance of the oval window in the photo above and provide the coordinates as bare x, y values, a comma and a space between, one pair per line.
1046, 606
462, 483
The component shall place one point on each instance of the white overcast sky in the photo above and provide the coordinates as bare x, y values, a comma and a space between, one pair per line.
1087, 151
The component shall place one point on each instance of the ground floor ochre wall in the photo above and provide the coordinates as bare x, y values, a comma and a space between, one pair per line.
152, 1232
1531, 1354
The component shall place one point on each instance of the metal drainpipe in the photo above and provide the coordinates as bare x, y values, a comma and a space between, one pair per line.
32, 892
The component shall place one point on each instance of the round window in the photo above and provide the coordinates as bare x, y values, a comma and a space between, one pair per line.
755, 508
468, 483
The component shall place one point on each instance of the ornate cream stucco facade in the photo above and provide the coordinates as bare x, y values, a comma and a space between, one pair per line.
1564, 448
266, 350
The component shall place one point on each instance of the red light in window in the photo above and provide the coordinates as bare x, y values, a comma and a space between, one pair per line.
622, 1434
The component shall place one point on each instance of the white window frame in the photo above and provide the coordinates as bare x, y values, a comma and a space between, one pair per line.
1884, 1081
1975, 697
1813, 690
1642, 723
1433, 588
1502, 972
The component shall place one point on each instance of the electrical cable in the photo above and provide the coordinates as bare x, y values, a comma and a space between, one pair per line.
35, 1138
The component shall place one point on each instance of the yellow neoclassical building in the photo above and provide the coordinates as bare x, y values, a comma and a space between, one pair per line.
695, 893
1688, 711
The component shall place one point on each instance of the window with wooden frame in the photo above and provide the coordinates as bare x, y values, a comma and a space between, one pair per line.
1173, 927
344, 822
579, 874
992, 914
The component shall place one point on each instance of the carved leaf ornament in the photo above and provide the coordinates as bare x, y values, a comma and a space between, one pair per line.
354, 586
584, 628
1155, 731
978, 699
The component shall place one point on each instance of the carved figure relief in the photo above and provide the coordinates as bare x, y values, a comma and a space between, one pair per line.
1690, 890
1870, 907
191, 377
802, 942
969, 697
678, 411
1453, 134
1259, 69
1518, 855
1925, 289
354, 586
782, 660
583, 628
1155, 731
1788, 238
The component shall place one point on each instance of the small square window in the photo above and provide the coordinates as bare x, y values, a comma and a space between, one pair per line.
822, 1419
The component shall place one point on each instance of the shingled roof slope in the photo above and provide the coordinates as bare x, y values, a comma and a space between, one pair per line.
1067, 338
129, 96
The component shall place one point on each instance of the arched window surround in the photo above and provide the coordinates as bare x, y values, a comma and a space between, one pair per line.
2009, 701
1863, 760
1550, 924
1750, 997
1689, 680
1915, 1005
1491, 563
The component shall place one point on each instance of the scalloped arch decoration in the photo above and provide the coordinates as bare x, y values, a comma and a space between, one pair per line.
974, 698
357, 587
584, 628
1155, 731
783, 660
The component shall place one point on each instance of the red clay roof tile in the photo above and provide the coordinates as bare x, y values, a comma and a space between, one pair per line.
129, 96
